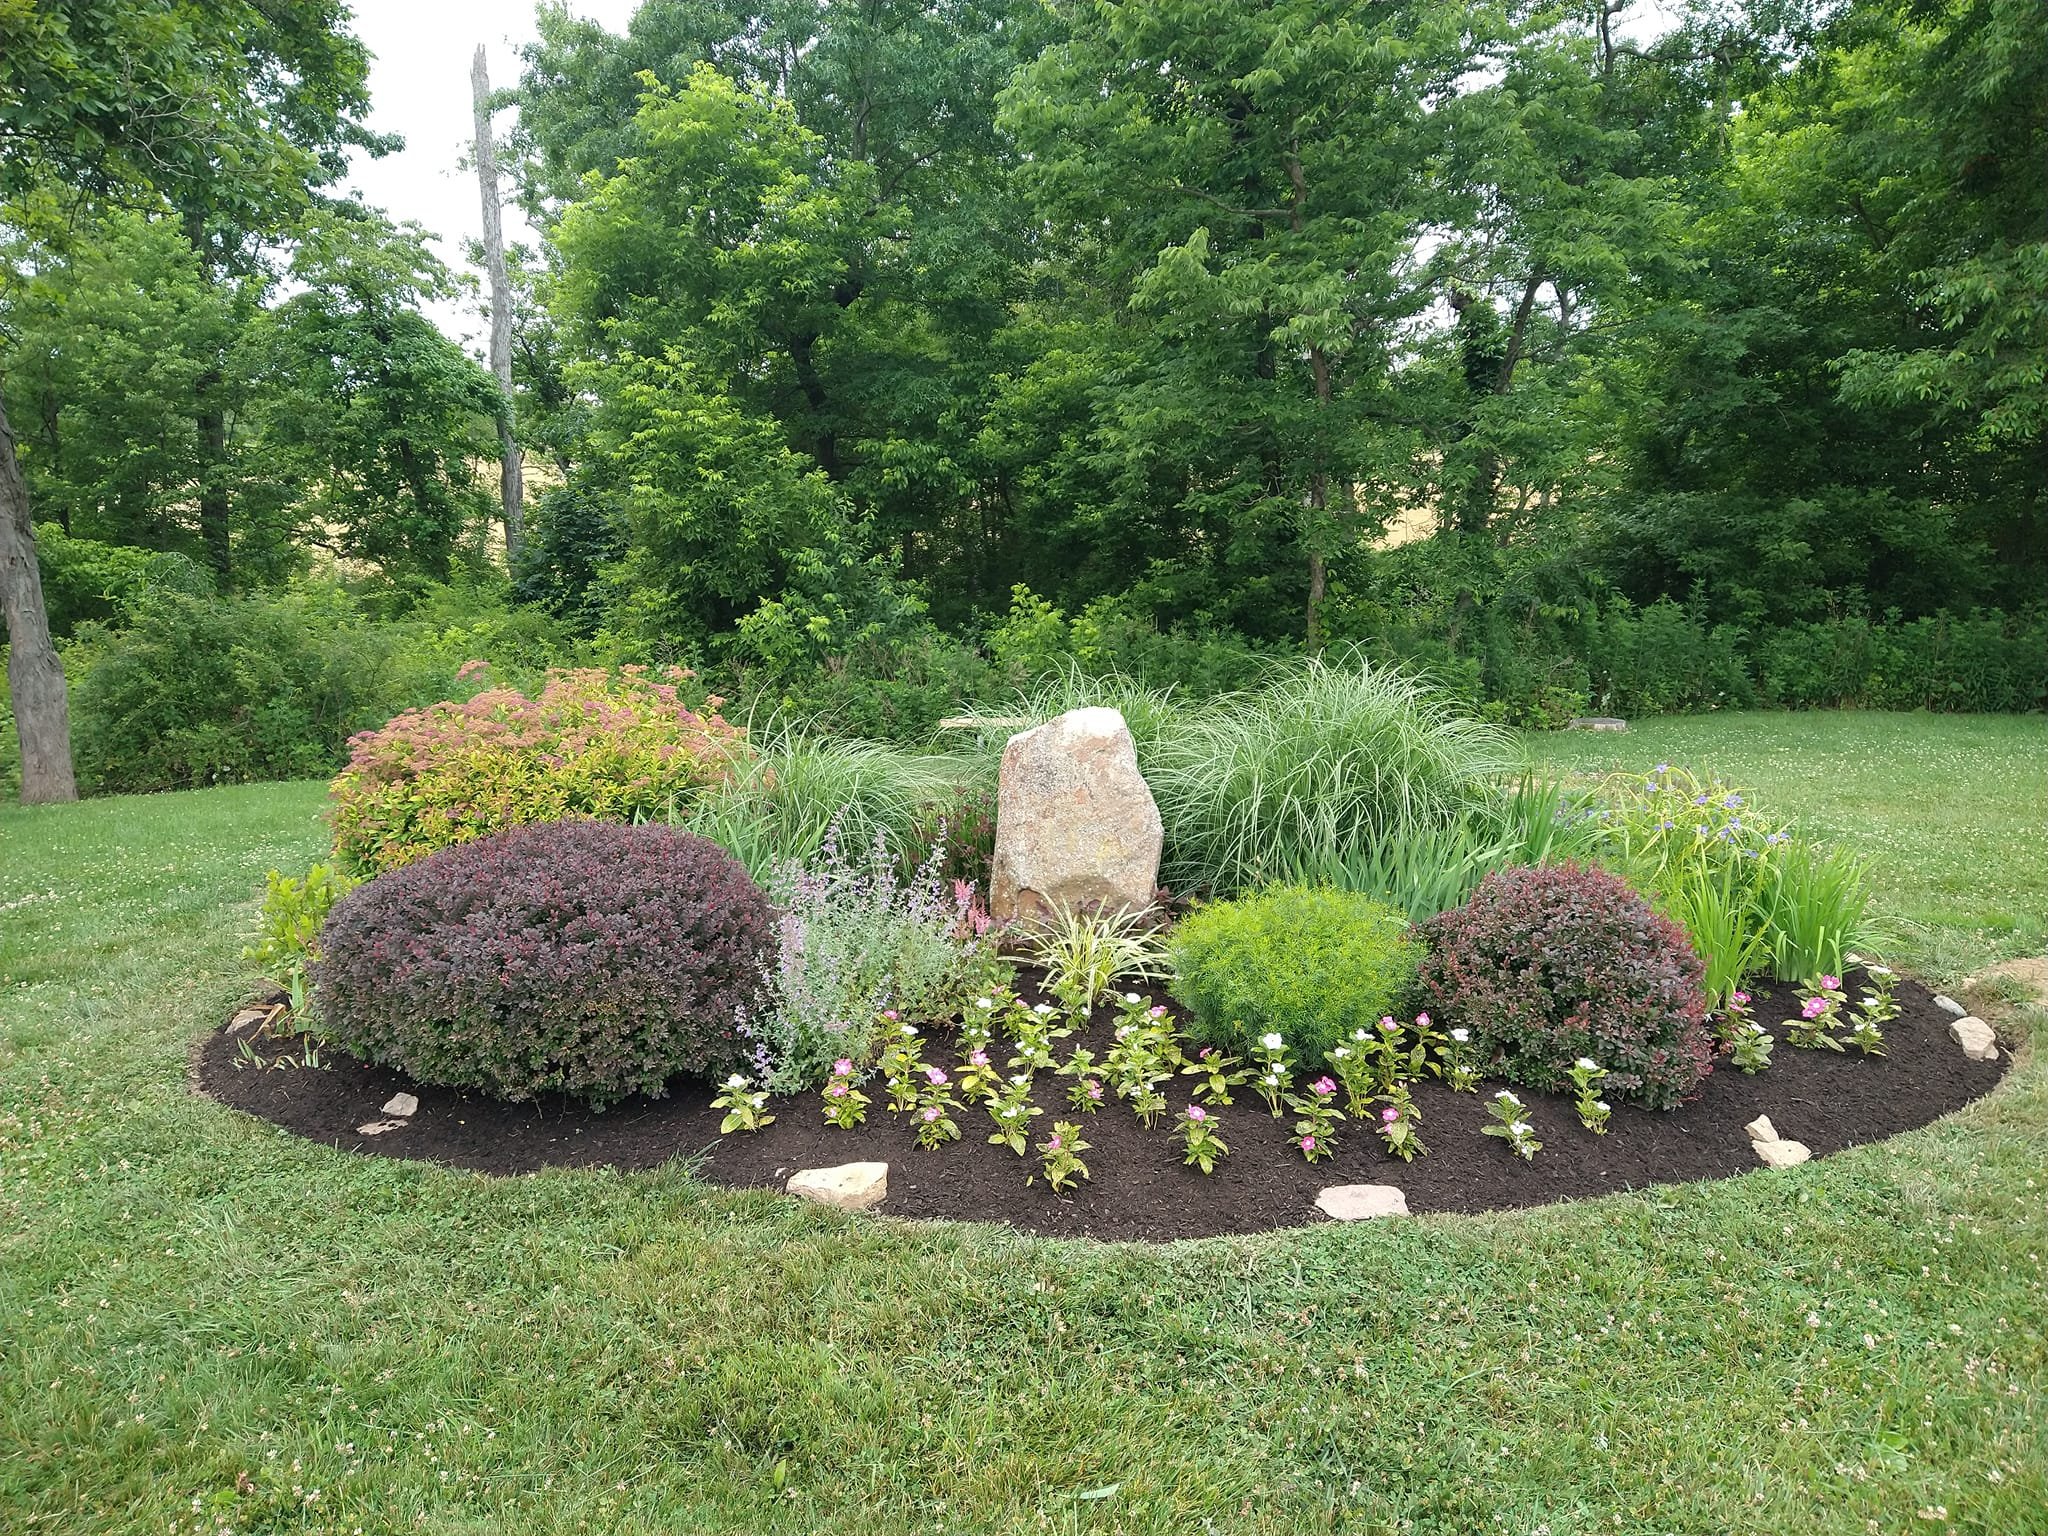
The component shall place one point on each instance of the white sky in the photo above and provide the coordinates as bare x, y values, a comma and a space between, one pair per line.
419, 87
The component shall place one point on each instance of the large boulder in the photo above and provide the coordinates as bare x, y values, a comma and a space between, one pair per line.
1075, 824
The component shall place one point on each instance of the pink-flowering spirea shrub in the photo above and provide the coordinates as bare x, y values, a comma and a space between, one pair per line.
575, 957
591, 745
1546, 966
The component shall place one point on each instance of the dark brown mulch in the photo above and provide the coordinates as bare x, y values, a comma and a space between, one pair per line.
1140, 1188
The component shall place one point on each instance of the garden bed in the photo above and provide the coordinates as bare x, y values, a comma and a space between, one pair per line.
1140, 1187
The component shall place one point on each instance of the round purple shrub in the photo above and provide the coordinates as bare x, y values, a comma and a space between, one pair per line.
1547, 965
585, 958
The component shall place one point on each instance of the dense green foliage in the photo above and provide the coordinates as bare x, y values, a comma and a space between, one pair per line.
1311, 965
886, 362
180, 689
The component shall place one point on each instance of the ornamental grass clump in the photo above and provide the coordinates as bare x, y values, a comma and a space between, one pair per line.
1311, 965
1323, 757
1544, 966
591, 745
577, 957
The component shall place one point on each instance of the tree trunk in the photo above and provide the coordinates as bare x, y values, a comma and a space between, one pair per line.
511, 480
35, 677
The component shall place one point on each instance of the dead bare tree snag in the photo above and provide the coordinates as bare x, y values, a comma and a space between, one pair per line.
511, 484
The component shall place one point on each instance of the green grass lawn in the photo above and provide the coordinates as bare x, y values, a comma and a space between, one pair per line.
207, 1325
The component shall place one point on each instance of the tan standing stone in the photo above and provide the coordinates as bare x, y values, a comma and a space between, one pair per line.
403, 1104
1761, 1129
1076, 825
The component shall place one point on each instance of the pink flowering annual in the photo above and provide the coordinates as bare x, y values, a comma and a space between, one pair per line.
931, 1114
1196, 1112
935, 1077
842, 1068
1390, 1114
1322, 1087
1830, 983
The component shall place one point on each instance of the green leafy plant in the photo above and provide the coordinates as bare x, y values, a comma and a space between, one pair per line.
745, 1106
1399, 1124
1216, 1074
1061, 1156
1510, 1124
1203, 1147
1011, 1109
1750, 1047
1033, 1030
1876, 1007
934, 1108
1085, 1091
1820, 1009
845, 1105
1271, 1069
1454, 1060
900, 1063
1310, 965
1594, 1112
1815, 903
1316, 1117
288, 928
1085, 953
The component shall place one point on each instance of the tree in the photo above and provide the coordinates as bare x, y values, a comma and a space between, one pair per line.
1256, 181
107, 101
371, 418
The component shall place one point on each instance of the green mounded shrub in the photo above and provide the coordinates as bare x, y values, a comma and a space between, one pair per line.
574, 957
1545, 966
1310, 964
590, 745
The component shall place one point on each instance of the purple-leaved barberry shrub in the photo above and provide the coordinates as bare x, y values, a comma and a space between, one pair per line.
1544, 966
578, 957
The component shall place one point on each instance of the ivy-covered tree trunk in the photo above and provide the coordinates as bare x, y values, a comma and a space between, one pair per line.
35, 677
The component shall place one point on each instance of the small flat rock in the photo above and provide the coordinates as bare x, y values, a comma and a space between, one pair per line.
1761, 1129
1949, 1005
848, 1187
379, 1127
1975, 1037
405, 1105
250, 1016
1782, 1154
1596, 723
1361, 1202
